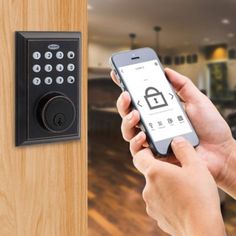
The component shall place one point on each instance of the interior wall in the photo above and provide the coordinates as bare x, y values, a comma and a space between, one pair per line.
195, 71
231, 66
99, 55
43, 188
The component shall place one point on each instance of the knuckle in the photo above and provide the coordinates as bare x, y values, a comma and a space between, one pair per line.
133, 149
151, 173
118, 104
145, 194
136, 160
124, 132
158, 224
131, 146
187, 80
136, 115
199, 163
149, 211
125, 136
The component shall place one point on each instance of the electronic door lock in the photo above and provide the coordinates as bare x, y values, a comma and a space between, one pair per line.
47, 86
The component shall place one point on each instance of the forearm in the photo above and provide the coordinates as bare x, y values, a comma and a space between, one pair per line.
228, 180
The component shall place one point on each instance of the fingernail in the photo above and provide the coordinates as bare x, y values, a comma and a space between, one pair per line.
129, 117
121, 101
178, 140
125, 95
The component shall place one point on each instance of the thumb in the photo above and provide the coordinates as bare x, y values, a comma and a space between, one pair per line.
184, 87
183, 151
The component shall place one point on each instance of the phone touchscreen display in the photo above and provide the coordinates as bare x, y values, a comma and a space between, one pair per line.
155, 100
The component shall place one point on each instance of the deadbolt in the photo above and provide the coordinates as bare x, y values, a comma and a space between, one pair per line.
56, 112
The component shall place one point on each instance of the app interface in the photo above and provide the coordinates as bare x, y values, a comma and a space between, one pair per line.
153, 96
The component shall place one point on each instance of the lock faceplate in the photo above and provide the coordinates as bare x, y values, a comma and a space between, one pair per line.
47, 86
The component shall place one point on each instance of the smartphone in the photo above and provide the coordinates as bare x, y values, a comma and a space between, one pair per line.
161, 112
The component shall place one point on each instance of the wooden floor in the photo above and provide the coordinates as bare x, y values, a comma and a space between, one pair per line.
115, 204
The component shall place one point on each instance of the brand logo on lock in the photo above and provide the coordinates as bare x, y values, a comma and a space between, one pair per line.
154, 98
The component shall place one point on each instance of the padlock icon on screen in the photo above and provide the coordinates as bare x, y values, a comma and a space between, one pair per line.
154, 98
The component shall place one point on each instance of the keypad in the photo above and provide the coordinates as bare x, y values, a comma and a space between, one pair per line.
54, 62
36, 81
71, 79
48, 80
48, 55
70, 54
59, 67
36, 68
70, 67
48, 68
59, 80
59, 55
36, 55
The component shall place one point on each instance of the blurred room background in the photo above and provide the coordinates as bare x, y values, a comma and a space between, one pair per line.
195, 38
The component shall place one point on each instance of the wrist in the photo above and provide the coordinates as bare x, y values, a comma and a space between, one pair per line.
205, 223
227, 181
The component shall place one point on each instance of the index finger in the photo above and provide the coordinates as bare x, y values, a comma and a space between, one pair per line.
123, 104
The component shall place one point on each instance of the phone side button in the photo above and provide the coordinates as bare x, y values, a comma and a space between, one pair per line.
118, 78
122, 86
142, 128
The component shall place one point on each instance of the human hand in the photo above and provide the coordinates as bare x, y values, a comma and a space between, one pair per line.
216, 142
183, 200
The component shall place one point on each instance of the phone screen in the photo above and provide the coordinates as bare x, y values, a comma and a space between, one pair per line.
155, 100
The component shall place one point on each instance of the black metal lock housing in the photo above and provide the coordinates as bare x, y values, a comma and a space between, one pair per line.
47, 86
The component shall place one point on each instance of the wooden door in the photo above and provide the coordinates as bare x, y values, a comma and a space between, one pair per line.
42, 187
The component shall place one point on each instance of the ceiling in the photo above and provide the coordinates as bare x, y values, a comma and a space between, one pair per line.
185, 23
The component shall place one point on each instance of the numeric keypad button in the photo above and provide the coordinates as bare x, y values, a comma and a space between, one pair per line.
59, 80
59, 67
70, 67
36, 81
71, 79
48, 68
59, 55
36, 55
36, 68
48, 80
48, 55
70, 54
